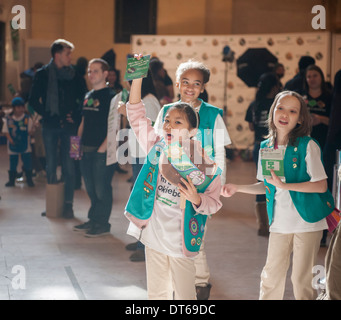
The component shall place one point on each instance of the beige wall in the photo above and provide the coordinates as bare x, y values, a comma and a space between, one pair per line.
47, 19
194, 17
89, 24
268, 16
181, 17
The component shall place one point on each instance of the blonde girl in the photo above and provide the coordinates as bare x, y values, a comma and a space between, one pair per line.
297, 204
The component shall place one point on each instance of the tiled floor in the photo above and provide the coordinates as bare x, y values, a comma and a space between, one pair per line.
54, 262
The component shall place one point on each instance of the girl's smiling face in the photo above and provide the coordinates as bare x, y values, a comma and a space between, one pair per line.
286, 114
191, 84
176, 126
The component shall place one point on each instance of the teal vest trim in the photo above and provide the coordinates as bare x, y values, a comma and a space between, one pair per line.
207, 115
312, 207
142, 198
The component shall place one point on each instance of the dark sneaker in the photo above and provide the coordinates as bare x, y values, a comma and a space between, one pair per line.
203, 293
83, 227
10, 184
68, 211
97, 231
132, 246
138, 256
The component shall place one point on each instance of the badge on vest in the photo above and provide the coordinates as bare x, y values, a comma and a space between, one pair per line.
272, 159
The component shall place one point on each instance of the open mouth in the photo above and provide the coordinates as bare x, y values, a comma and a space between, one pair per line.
190, 94
169, 137
283, 122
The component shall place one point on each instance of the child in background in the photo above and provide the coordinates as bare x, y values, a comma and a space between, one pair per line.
297, 206
191, 78
18, 128
169, 269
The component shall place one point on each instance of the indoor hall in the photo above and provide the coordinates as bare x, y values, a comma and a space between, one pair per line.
56, 262
60, 263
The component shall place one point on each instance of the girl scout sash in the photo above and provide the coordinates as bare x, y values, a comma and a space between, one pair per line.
208, 115
141, 201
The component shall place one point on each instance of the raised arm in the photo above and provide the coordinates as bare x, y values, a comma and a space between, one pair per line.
141, 125
135, 91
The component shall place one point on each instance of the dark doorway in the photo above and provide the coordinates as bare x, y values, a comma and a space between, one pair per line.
134, 17
2, 60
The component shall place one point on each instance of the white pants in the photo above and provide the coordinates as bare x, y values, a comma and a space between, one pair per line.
304, 247
166, 275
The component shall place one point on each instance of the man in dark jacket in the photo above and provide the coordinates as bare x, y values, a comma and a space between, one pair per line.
56, 95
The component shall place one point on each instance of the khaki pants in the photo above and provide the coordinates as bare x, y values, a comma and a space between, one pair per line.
202, 271
304, 247
333, 266
166, 275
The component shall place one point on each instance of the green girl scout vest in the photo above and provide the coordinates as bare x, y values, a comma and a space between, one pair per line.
207, 115
141, 201
312, 207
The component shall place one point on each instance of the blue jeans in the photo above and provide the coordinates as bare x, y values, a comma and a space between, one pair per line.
26, 159
58, 139
97, 179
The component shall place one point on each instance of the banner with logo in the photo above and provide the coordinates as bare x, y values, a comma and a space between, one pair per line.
288, 48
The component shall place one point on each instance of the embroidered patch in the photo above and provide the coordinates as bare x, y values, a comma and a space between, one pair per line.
202, 228
193, 242
199, 241
197, 177
154, 158
193, 226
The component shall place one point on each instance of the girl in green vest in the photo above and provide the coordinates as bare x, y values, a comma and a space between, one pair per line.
171, 239
191, 79
297, 203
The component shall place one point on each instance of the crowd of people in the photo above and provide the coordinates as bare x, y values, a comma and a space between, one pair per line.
76, 128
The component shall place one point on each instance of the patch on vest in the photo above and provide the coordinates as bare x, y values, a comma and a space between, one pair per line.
193, 226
